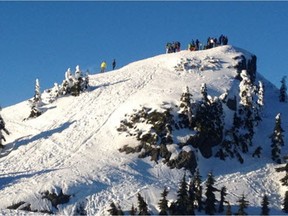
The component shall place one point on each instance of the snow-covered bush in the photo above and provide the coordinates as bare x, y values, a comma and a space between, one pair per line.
71, 85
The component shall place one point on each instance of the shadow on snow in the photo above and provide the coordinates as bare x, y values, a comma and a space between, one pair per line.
43, 135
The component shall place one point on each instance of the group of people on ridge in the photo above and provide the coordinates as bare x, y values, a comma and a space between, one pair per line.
173, 47
196, 45
213, 42
104, 65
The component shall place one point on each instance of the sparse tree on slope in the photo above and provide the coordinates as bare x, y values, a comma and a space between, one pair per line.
223, 193
191, 198
243, 204
210, 202
198, 189
142, 205
113, 210
182, 197
133, 210
120, 212
283, 90
228, 210
265, 205
277, 140
163, 203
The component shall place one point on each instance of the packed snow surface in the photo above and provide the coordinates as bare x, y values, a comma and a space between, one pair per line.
73, 146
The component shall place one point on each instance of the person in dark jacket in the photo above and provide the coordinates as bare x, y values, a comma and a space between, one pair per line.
114, 64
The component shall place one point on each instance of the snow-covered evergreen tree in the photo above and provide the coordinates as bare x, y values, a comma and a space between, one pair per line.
78, 72
260, 102
260, 94
186, 113
69, 78
204, 93
74, 84
35, 102
246, 90
277, 139
2, 128
37, 96
50, 95
246, 113
283, 90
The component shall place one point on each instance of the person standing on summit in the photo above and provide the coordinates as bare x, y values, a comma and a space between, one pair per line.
103, 66
114, 64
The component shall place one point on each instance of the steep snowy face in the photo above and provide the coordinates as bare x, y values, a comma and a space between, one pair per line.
73, 147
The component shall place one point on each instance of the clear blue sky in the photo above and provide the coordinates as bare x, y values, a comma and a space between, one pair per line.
42, 39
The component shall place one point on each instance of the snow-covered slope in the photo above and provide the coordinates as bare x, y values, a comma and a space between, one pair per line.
73, 146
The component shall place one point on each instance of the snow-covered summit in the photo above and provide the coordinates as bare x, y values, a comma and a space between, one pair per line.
73, 147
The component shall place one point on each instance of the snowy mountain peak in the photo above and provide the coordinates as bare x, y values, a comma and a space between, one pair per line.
71, 151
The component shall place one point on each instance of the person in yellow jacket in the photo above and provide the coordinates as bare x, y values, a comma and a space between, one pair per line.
103, 66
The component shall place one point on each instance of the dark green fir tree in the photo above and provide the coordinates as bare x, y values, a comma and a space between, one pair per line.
223, 194
228, 210
277, 139
265, 206
113, 209
163, 203
133, 210
191, 198
142, 205
283, 90
182, 197
198, 189
210, 202
243, 204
